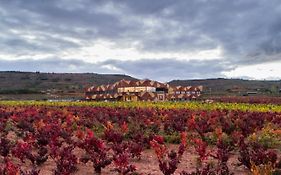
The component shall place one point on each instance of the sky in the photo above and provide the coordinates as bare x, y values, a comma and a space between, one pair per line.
155, 39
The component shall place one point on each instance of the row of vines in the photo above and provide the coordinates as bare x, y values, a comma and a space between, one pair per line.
113, 139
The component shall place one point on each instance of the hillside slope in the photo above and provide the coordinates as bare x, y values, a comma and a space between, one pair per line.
222, 86
42, 84
38, 86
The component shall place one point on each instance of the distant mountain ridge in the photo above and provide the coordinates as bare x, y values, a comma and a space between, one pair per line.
40, 81
66, 84
222, 86
45, 85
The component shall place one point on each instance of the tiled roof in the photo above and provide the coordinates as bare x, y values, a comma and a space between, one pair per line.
148, 96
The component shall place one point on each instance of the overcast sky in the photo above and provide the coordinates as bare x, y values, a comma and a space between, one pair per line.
156, 39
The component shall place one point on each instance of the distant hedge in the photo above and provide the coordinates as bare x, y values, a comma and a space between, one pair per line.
19, 91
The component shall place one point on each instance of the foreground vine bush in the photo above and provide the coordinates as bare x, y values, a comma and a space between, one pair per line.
116, 137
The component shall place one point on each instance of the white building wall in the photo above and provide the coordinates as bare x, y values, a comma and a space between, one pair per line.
137, 89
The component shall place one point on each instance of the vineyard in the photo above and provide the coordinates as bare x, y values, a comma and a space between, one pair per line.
248, 99
139, 138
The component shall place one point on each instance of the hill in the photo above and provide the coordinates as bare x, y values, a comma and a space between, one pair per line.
223, 86
36, 85
39, 86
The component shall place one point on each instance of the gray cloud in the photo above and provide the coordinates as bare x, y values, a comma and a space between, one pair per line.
168, 69
51, 65
162, 69
248, 32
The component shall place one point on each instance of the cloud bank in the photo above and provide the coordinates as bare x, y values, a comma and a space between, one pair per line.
145, 68
182, 39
